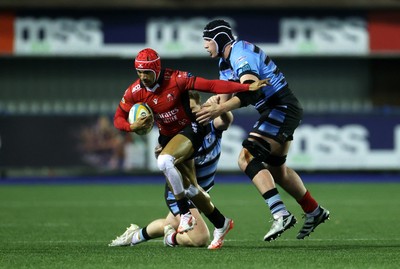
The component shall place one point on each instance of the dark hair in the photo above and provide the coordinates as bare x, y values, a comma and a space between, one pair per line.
195, 96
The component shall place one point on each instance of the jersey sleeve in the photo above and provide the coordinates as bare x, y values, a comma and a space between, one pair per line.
120, 120
247, 63
184, 80
217, 86
122, 112
126, 102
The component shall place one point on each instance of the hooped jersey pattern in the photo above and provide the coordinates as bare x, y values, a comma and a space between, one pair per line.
247, 58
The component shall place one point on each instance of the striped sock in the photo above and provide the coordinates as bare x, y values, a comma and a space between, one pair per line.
140, 236
274, 201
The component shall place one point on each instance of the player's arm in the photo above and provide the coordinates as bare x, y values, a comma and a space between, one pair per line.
225, 119
240, 99
224, 97
248, 98
221, 86
121, 121
212, 111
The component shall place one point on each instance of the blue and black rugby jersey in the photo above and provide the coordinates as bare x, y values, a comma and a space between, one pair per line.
207, 157
247, 58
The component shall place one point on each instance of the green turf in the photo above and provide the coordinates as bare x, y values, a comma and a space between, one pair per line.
69, 226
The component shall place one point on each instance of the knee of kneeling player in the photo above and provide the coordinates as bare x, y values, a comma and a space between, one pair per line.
165, 161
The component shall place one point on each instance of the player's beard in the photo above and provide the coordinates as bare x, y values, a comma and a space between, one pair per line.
148, 82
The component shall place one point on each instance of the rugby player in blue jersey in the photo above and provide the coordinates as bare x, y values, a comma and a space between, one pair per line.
206, 162
264, 151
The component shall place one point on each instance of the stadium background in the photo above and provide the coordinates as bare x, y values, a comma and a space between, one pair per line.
65, 65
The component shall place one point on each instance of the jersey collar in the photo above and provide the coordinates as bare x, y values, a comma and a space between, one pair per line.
157, 85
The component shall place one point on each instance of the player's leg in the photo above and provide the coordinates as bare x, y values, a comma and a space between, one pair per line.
203, 202
292, 183
198, 237
195, 237
153, 230
284, 176
125, 239
196, 194
284, 120
264, 182
266, 143
135, 235
178, 149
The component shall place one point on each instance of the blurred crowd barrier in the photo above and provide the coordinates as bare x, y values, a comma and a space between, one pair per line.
323, 142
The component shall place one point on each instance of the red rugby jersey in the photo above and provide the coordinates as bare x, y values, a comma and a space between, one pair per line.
171, 107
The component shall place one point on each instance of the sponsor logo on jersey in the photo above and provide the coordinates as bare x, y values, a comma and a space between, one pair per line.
155, 101
240, 59
136, 88
170, 97
244, 67
184, 75
168, 116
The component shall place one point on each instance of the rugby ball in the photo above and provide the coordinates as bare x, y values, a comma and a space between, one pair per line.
137, 111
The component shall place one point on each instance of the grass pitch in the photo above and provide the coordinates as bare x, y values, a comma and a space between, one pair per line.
69, 226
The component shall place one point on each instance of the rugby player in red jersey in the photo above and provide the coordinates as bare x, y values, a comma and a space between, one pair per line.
166, 92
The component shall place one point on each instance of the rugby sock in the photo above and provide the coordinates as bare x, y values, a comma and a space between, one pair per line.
314, 213
308, 204
140, 236
274, 202
216, 218
171, 239
183, 205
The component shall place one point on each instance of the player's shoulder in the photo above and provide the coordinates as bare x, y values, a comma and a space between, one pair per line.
177, 74
134, 87
241, 47
244, 51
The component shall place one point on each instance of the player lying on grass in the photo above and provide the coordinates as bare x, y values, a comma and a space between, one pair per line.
206, 165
